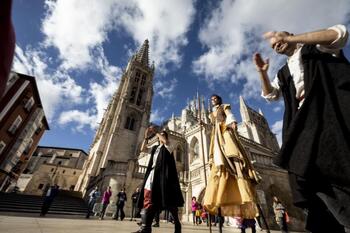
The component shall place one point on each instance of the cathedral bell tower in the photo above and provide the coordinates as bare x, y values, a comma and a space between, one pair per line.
124, 122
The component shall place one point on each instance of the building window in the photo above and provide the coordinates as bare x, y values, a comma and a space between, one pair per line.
178, 154
37, 131
2, 146
139, 97
130, 123
143, 80
74, 173
40, 186
29, 145
29, 104
44, 162
196, 150
52, 169
63, 171
72, 187
133, 94
15, 125
59, 163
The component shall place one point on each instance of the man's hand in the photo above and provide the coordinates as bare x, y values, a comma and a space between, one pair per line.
233, 126
261, 65
149, 131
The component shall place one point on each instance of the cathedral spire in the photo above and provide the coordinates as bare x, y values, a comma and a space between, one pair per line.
142, 54
243, 109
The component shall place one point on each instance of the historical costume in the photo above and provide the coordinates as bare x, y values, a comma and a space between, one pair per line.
232, 177
315, 85
161, 187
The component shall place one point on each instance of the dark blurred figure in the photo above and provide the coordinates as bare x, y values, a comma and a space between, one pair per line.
120, 205
49, 197
7, 43
134, 209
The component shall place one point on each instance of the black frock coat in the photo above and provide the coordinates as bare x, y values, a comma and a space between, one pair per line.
316, 138
166, 192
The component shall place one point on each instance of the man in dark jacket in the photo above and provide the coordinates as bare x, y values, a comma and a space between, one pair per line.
315, 85
121, 199
49, 198
161, 187
134, 208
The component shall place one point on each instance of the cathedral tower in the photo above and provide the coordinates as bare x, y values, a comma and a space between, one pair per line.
124, 122
255, 127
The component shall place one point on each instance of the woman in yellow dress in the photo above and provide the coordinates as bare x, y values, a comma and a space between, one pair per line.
232, 180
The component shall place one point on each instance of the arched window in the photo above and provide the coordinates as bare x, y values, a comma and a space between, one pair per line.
133, 95
143, 80
130, 123
139, 97
178, 154
194, 149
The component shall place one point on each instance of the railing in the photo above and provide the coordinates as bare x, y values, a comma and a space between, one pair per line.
139, 171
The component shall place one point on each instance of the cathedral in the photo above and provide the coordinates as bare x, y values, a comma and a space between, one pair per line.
115, 160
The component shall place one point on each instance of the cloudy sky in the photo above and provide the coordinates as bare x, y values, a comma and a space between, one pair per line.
77, 50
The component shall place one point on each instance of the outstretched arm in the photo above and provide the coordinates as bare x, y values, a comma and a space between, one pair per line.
262, 67
323, 37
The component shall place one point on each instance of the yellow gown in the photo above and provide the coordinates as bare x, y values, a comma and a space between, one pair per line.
232, 179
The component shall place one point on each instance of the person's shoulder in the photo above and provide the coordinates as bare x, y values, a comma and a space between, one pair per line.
226, 106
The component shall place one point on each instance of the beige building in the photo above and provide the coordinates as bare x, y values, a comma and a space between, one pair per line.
52, 165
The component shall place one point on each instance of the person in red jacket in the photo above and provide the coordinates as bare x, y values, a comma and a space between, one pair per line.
7, 43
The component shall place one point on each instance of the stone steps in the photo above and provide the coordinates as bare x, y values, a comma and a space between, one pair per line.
62, 204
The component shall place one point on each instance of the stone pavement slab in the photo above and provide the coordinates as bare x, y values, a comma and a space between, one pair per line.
66, 224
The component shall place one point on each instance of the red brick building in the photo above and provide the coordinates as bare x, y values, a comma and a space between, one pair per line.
22, 124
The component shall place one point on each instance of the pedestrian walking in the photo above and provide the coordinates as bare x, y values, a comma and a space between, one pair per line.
134, 209
280, 214
94, 194
121, 199
49, 198
105, 201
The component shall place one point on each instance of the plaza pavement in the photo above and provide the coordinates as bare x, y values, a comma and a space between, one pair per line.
66, 224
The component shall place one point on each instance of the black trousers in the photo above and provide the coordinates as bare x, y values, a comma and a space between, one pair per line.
120, 208
327, 205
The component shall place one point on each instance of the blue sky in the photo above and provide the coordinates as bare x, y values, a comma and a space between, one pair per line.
77, 50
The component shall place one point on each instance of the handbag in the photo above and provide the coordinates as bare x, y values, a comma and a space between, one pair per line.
287, 217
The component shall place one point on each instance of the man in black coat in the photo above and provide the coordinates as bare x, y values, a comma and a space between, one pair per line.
315, 85
161, 187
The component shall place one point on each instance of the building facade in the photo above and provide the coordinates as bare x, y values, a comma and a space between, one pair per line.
52, 165
121, 131
22, 124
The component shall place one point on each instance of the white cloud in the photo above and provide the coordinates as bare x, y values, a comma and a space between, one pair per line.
81, 118
157, 117
232, 33
165, 89
77, 27
164, 23
277, 129
56, 88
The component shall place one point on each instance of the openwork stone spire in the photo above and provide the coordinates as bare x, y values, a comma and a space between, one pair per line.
143, 53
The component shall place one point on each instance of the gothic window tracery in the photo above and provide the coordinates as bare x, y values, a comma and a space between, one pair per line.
139, 97
178, 154
143, 80
133, 94
130, 123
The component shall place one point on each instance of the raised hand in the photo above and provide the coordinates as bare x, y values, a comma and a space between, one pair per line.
260, 64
